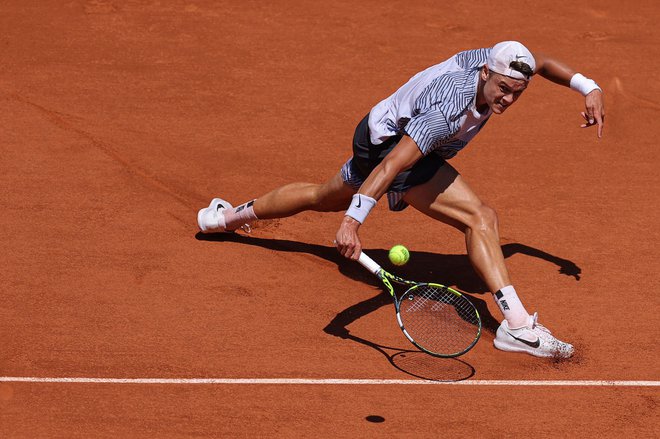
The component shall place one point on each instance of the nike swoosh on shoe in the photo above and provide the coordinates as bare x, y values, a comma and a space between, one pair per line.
533, 344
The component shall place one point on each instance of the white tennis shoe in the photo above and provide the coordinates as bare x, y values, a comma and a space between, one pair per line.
534, 339
211, 219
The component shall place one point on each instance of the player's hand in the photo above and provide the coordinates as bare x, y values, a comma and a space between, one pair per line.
347, 240
594, 113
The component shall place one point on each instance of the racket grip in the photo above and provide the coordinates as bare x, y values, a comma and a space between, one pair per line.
369, 263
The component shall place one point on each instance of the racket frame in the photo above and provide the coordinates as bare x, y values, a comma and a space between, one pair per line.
386, 277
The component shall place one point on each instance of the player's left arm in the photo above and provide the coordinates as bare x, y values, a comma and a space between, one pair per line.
560, 73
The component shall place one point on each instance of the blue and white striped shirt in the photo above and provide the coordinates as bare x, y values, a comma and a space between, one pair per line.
436, 107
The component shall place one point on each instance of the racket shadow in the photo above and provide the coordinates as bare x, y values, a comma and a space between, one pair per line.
409, 361
421, 365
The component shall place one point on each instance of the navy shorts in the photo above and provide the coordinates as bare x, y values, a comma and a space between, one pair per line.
366, 156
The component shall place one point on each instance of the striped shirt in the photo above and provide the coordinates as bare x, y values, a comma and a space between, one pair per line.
436, 107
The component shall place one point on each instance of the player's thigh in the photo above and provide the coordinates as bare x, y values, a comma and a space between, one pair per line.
334, 195
448, 198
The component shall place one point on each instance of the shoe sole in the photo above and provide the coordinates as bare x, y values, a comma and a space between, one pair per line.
507, 347
504, 346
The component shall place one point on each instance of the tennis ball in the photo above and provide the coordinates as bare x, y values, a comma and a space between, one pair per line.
399, 255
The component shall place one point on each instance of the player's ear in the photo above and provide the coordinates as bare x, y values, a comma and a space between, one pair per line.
485, 73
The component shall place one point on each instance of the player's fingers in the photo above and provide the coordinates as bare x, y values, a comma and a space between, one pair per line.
591, 120
348, 253
355, 253
600, 117
600, 121
347, 250
341, 247
589, 117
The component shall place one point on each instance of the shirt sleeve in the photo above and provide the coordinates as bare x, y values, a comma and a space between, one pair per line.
429, 130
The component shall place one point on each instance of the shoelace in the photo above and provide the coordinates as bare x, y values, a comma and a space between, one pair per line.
562, 348
536, 324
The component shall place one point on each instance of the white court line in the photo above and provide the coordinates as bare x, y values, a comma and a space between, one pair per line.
295, 381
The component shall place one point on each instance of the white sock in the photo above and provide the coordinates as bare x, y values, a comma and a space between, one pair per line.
237, 216
514, 312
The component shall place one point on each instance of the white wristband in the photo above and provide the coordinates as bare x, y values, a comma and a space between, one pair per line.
360, 207
583, 85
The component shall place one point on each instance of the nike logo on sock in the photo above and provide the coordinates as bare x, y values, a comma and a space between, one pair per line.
533, 344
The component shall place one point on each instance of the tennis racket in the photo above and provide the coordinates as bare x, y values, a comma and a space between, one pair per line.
437, 319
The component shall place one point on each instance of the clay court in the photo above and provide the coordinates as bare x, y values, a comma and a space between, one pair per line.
122, 118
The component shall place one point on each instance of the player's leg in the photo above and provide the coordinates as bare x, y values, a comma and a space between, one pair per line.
221, 216
332, 196
448, 198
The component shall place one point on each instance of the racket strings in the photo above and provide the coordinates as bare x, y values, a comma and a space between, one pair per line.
439, 320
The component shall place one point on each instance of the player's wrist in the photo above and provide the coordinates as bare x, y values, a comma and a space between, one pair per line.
351, 222
360, 207
583, 85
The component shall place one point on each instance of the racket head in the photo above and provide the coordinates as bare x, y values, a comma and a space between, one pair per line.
438, 320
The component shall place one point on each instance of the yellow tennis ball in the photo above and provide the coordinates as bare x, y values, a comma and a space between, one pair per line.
399, 255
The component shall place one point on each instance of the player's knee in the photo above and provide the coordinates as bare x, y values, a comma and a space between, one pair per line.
329, 199
483, 219
322, 200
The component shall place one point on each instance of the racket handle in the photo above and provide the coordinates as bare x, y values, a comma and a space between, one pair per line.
369, 263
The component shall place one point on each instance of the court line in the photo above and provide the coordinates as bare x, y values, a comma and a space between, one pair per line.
329, 381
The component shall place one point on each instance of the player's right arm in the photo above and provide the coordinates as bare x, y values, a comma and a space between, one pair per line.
404, 155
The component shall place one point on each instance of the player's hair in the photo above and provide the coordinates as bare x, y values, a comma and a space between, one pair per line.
522, 67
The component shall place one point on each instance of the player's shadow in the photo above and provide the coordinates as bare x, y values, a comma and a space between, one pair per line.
451, 270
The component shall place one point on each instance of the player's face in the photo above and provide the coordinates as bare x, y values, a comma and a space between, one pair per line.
500, 91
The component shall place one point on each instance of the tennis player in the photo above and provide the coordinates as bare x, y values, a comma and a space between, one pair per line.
400, 149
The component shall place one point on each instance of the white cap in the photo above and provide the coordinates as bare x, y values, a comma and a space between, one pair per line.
504, 53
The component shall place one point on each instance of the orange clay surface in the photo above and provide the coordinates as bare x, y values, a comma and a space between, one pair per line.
120, 119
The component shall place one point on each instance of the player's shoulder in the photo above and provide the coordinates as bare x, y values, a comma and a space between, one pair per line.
470, 59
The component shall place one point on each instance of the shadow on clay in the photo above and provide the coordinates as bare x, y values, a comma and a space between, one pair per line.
451, 270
